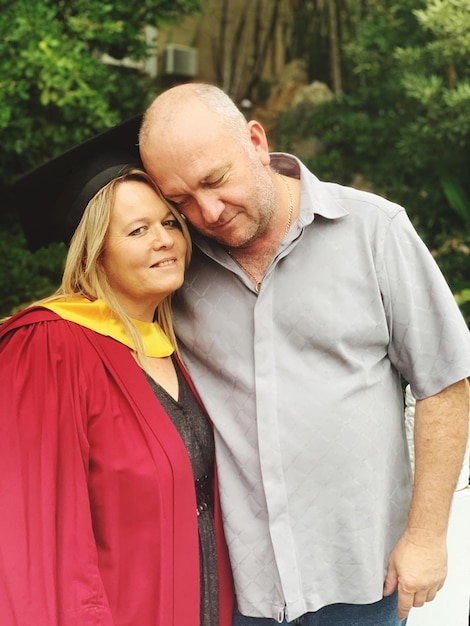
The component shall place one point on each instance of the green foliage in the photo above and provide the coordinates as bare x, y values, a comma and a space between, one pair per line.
25, 276
56, 92
456, 196
453, 257
405, 128
449, 21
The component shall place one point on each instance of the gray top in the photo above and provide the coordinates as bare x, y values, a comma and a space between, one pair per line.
303, 387
196, 433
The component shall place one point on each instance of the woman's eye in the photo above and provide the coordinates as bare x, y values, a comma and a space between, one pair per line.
137, 231
172, 224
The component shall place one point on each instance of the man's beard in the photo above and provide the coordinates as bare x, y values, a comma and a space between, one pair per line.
265, 197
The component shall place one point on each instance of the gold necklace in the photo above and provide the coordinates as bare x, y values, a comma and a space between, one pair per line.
291, 204
254, 280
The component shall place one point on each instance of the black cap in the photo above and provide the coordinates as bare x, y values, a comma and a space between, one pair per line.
51, 198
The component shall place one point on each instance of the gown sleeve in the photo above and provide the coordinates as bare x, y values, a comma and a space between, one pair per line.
48, 559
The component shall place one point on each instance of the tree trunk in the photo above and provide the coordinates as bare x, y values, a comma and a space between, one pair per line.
335, 54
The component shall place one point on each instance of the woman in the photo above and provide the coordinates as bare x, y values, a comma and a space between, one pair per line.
107, 492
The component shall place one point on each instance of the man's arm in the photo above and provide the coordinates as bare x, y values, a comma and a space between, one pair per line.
418, 564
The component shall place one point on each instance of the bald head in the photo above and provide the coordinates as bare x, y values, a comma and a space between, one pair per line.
205, 157
168, 108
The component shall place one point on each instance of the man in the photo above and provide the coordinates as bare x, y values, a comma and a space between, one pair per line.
303, 304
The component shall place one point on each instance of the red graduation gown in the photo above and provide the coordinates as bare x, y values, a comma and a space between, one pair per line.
98, 520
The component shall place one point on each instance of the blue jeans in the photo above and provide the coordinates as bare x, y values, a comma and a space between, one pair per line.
382, 613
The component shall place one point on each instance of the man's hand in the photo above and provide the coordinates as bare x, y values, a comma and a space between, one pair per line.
418, 564
418, 568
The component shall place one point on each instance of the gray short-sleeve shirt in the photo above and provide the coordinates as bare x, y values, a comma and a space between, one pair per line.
302, 382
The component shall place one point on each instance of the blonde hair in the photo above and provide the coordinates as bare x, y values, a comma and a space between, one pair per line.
84, 274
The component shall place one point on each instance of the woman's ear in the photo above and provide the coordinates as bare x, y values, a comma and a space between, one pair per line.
259, 141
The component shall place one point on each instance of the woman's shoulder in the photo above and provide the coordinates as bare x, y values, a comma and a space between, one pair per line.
39, 339
26, 317
42, 328
30, 314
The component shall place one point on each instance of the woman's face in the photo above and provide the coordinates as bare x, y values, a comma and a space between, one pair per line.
144, 250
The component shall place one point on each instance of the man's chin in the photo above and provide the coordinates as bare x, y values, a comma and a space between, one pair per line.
229, 239
234, 243
235, 238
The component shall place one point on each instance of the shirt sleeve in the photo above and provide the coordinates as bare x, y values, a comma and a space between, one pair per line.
429, 339
48, 560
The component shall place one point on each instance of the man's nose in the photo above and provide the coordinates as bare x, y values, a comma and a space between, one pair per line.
210, 206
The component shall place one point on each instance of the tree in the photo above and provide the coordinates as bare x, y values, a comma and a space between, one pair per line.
335, 55
320, 30
405, 124
54, 93
436, 78
54, 90
240, 47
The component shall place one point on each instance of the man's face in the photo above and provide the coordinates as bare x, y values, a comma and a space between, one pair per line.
220, 184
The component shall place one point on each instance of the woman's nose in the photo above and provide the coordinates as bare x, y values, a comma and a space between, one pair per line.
162, 238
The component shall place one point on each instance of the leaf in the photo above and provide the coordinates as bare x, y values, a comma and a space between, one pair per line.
462, 296
456, 196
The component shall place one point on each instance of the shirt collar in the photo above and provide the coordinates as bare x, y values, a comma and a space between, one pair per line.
315, 198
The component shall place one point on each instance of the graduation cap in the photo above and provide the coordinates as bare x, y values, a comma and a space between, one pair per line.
51, 198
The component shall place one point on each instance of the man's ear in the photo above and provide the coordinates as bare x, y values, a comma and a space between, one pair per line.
259, 141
